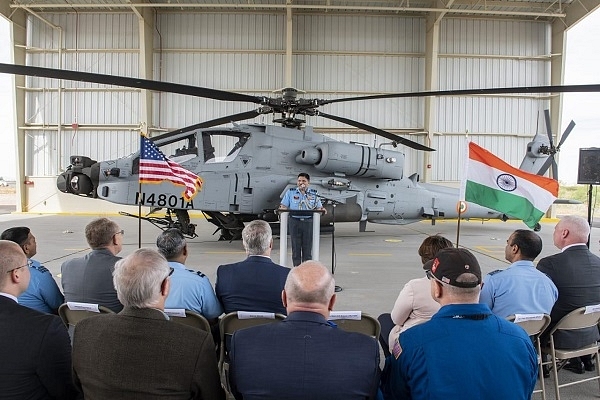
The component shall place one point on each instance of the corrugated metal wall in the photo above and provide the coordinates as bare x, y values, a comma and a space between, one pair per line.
333, 56
489, 53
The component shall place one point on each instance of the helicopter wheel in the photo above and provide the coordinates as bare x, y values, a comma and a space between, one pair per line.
537, 227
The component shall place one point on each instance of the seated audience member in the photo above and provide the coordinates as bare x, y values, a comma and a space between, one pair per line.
254, 284
464, 351
89, 279
36, 349
139, 353
43, 293
304, 356
414, 304
520, 288
576, 273
189, 289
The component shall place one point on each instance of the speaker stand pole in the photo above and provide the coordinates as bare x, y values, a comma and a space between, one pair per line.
589, 213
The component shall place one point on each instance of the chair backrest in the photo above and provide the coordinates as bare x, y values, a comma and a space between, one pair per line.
356, 321
583, 317
72, 312
232, 322
533, 324
188, 317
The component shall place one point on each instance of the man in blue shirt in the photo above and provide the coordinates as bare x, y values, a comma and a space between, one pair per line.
190, 289
464, 352
43, 293
301, 226
521, 288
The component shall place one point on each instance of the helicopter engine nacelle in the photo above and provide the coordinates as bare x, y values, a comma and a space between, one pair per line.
353, 160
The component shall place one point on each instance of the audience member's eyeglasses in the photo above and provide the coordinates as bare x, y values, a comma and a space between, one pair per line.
122, 232
171, 270
428, 274
29, 263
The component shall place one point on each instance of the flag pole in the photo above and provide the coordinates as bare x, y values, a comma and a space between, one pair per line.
139, 197
459, 207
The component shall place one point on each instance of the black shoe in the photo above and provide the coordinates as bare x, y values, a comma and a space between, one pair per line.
589, 365
575, 366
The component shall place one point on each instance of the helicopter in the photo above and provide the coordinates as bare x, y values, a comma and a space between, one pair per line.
246, 168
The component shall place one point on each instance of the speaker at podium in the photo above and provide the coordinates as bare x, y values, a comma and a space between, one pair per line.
589, 166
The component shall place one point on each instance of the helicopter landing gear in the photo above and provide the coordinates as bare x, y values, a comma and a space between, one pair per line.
230, 225
181, 221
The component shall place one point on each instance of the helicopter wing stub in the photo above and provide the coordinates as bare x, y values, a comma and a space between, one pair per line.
377, 131
137, 83
175, 135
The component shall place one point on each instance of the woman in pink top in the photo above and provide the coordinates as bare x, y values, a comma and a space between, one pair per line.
415, 304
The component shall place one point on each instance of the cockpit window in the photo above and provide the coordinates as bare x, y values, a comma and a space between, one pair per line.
222, 146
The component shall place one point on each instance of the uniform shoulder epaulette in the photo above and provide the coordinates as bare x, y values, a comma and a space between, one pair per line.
200, 274
495, 272
312, 190
292, 189
41, 268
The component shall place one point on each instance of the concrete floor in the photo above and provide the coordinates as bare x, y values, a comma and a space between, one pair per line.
371, 267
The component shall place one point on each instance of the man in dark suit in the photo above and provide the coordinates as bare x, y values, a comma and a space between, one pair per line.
304, 356
89, 279
35, 347
139, 353
254, 284
576, 273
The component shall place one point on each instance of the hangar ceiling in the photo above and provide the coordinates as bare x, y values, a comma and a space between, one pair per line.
536, 9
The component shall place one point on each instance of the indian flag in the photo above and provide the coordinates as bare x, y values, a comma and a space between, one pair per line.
492, 183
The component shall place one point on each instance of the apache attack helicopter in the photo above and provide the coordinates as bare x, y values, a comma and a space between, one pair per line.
258, 163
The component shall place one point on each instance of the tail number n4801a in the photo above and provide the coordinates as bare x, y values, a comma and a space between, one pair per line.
162, 200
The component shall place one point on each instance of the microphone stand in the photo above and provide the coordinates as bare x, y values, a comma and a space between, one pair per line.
333, 203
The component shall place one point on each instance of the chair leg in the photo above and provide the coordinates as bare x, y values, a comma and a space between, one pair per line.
555, 374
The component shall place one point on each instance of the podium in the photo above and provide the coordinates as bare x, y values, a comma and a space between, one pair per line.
283, 232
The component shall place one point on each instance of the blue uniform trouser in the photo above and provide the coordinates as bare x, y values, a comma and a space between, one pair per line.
301, 237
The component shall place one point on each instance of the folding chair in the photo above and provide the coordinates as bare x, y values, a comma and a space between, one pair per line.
534, 325
583, 317
188, 317
356, 321
232, 322
72, 312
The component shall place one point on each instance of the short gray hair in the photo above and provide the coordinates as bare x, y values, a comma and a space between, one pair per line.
138, 277
99, 232
577, 226
171, 243
256, 237
310, 282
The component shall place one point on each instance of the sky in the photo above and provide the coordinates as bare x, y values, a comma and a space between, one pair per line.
581, 67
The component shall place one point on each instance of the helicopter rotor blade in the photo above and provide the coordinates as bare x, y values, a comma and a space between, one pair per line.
377, 131
137, 83
546, 165
548, 127
464, 92
206, 124
554, 169
566, 133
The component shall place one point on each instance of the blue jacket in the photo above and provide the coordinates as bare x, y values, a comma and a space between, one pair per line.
464, 352
303, 357
254, 284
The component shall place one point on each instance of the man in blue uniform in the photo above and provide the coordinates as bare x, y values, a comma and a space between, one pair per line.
520, 288
464, 352
43, 293
301, 226
190, 289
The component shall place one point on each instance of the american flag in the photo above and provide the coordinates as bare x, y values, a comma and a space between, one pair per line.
155, 167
